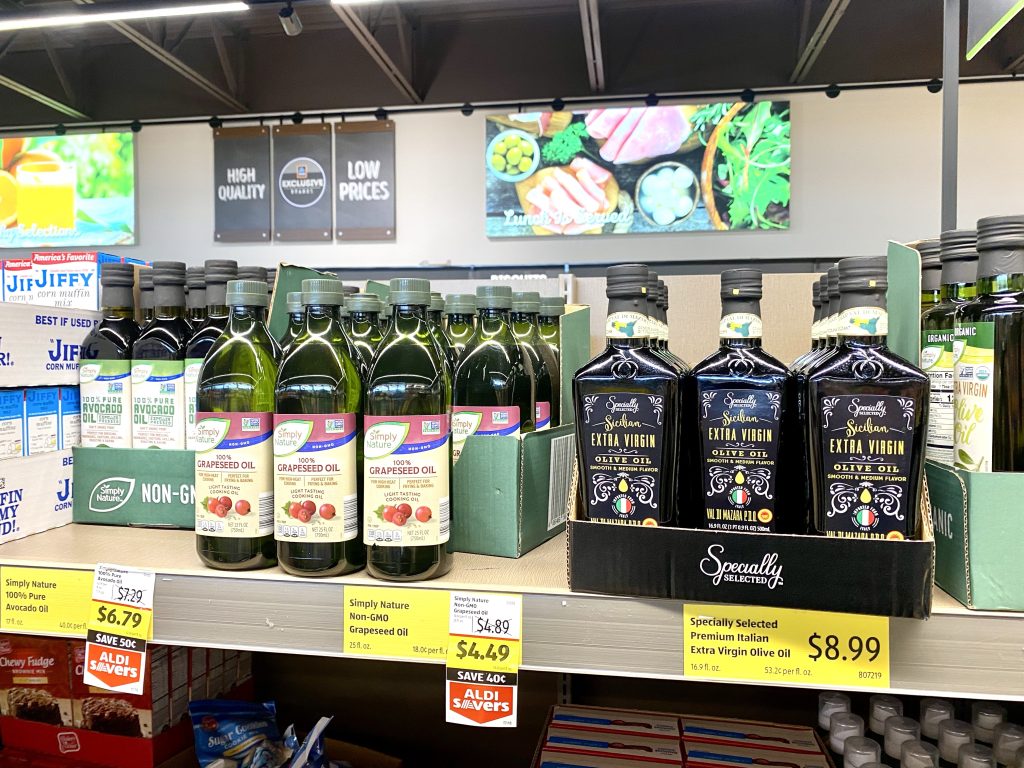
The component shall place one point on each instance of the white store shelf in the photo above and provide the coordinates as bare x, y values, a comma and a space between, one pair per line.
956, 652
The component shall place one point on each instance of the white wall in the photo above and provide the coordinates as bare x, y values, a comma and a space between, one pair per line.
866, 168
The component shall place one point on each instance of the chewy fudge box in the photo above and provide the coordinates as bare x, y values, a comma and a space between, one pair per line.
35, 494
625, 721
124, 486
40, 346
749, 734
615, 745
978, 537
35, 682
700, 755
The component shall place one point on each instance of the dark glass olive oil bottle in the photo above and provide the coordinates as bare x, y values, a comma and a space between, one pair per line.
627, 405
317, 471
931, 272
407, 431
195, 296
742, 441
988, 354
234, 429
525, 307
495, 384
867, 413
104, 372
146, 297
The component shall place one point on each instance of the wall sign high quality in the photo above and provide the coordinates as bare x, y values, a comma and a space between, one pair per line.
365, 175
303, 201
242, 185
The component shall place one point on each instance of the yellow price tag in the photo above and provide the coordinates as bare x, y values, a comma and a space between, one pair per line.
485, 632
396, 622
122, 601
44, 601
136, 623
782, 645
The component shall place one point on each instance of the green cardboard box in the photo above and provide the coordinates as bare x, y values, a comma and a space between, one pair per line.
136, 487
978, 539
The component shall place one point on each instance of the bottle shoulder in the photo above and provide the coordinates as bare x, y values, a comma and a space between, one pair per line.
742, 364
991, 307
622, 363
867, 366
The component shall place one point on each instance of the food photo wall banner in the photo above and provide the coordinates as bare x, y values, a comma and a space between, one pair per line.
242, 184
364, 171
303, 202
637, 170
67, 191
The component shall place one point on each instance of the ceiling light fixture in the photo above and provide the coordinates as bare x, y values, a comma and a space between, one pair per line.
290, 21
95, 14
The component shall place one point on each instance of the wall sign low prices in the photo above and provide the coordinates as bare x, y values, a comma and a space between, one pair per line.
639, 170
364, 157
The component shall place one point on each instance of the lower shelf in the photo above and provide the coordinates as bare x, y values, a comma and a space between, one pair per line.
956, 652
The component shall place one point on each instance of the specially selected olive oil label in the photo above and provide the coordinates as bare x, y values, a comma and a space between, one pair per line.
623, 436
866, 447
740, 325
316, 499
973, 395
105, 388
937, 362
487, 421
191, 380
406, 471
158, 404
234, 474
740, 431
627, 325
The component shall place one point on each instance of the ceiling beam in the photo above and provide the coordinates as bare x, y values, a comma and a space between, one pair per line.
5, 46
1015, 65
225, 60
42, 98
58, 68
373, 47
592, 44
816, 44
166, 57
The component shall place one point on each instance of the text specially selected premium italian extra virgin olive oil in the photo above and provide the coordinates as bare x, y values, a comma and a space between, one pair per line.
316, 439
627, 403
867, 413
460, 314
742, 439
525, 306
959, 256
495, 389
217, 273
104, 372
988, 355
407, 445
234, 427
158, 364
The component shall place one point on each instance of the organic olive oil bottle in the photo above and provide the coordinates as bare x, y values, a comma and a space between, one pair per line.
158, 364
867, 413
525, 307
742, 441
959, 257
104, 372
931, 272
407, 445
460, 313
365, 336
217, 273
316, 441
551, 309
146, 294
296, 319
627, 403
195, 296
495, 384
988, 354
234, 426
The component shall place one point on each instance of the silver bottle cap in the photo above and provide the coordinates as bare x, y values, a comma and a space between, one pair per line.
953, 734
976, 756
918, 754
986, 715
933, 712
899, 730
860, 751
1008, 740
830, 702
881, 708
842, 726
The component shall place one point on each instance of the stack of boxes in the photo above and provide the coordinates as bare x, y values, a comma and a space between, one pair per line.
46, 707
68, 279
37, 420
591, 737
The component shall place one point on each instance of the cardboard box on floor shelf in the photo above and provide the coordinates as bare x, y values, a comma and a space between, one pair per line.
879, 577
145, 488
40, 346
978, 537
35, 494
69, 279
12, 423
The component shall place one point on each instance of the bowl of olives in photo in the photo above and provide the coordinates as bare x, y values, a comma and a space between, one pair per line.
513, 155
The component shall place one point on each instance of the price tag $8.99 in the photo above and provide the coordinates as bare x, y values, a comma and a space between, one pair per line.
834, 648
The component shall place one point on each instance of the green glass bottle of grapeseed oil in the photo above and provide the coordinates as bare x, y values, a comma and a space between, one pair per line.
495, 391
316, 430
407, 445
460, 311
234, 425
296, 319
364, 310
551, 309
525, 307
435, 317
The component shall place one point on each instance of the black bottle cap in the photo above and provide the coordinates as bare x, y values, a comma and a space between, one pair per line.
460, 304
115, 274
863, 274
219, 276
293, 299
526, 302
929, 250
247, 293
626, 280
1001, 232
252, 273
959, 244
816, 294
163, 276
833, 283
663, 294
823, 292
322, 291
363, 302
146, 280
652, 286
222, 265
494, 297
410, 291
741, 284
172, 266
195, 278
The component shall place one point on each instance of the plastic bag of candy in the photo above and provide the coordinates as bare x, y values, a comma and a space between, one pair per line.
237, 734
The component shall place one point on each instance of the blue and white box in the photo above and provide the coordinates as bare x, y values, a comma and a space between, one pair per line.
12, 423
70, 418
42, 420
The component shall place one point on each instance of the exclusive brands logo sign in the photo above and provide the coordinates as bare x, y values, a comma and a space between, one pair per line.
111, 494
302, 182
767, 572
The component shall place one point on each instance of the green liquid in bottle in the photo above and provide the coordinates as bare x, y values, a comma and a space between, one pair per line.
551, 309
296, 320
406, 424
234, 510
317, 421
365, 334
544, 362
460, 311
